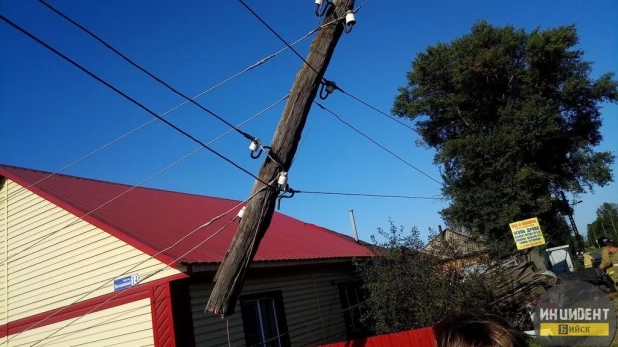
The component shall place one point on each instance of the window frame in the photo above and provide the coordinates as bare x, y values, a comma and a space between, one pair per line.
343, 287
279, 311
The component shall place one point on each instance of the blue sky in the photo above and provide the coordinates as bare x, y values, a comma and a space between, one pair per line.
53, 113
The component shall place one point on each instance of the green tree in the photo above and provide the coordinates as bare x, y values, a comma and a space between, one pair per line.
408, 285
592, 236
606, 222
405, 289
514, 117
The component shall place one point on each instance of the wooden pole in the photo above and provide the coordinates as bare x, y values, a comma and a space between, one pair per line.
230, 277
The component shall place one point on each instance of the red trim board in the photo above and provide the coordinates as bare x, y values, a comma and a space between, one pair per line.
94, 221
162, 317
139, 292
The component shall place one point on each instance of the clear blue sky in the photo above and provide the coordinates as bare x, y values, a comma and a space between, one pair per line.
53, 113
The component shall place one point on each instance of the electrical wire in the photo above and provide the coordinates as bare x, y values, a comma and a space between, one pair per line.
310, 323
270, 28
361, 6
99, 324
367, 195
314, 70
128, 60
278, 36
376, 109
137, 103
376, 143
79, 218
166, 266
249, 68
258, 344
300, 145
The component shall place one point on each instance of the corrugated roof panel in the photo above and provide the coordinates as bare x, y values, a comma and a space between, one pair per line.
157, 219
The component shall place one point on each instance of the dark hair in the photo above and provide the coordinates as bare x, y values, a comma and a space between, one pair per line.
603, 240
611, 244
477, 330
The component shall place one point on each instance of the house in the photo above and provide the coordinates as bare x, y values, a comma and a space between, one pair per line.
93, 263
457, 249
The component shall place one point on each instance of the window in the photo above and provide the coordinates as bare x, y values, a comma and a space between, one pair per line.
264, 320
351, 298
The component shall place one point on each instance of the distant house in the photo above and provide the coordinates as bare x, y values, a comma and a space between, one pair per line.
457, 249
73, 248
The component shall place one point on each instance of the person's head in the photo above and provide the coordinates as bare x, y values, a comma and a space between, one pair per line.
612, 247
477, 330
602, 241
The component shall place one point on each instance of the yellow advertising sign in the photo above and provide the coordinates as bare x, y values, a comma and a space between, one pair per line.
574, 329
527, 233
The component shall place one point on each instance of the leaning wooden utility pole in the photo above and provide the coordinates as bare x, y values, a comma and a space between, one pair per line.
259, 210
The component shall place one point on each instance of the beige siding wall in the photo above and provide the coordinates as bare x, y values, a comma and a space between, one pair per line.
3, 245
127, 325
304, 303
55, 258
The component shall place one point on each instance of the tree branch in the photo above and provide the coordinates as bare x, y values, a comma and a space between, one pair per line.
464, 119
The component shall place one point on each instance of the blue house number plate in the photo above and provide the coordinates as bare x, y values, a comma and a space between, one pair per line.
125, 282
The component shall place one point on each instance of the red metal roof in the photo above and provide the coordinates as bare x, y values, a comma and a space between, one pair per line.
152, 220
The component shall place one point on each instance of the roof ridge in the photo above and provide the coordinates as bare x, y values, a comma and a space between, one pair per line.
113, 183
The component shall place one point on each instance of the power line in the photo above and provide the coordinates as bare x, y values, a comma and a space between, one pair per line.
278, 36
216, 218
79, 218
249, 68
138, 282
137, 103
312, 68
101, 323
368, 195
157, 271
376, 109
376, 143
127, 271
361, 6
128, 60
270, 28
258, 344
300, 145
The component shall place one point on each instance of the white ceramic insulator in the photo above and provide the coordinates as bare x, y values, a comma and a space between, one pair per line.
253, 146
318, 2
241, 213
283, 179
350, 19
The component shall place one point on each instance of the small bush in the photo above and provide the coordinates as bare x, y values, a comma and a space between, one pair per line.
410, 287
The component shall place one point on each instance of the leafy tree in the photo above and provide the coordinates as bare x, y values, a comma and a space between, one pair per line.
404, 288
409, 286
606, 223
514, 117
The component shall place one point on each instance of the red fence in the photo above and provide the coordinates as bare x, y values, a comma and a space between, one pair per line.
411, 338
